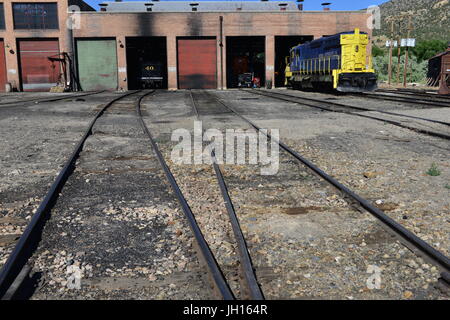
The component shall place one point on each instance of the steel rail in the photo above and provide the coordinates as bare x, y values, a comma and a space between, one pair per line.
252, 287
220, 283
31, 235
37, 101
434, 255
361, 108
393, 122
434, 96
404, 99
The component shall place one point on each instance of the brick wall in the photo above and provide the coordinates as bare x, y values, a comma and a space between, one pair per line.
10, 36
173, 25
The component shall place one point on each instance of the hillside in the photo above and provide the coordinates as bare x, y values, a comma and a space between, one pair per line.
430, 18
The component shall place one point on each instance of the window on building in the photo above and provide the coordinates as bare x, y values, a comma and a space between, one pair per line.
35, 15
2, 17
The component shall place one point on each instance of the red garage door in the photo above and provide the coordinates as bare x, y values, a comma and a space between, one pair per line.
36, 71
2, 66
197, 64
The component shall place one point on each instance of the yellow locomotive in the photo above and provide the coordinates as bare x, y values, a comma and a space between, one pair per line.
338, 62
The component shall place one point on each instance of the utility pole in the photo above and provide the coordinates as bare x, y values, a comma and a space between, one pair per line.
391, 46
405, 68
398, 51
221, 52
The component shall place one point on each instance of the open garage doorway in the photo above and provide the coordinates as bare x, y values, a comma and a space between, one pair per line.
282, 46
246, 65
146, 62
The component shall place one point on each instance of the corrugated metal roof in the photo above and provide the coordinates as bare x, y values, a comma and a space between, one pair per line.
202, 6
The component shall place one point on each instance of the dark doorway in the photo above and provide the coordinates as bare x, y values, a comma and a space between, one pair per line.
283, 45
146, 62
245, 55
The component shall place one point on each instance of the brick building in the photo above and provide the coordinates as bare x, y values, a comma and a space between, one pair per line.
200, 45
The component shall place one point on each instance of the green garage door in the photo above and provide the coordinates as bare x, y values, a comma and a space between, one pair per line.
97, 64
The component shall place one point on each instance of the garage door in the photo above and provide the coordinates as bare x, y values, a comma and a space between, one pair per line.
197, 64
37, 72
2, 66
97, 64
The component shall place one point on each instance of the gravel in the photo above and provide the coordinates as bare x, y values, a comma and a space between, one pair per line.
118, 227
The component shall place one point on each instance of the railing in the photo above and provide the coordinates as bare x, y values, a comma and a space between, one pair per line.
321, 65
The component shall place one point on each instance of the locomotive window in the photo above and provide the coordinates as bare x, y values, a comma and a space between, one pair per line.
35, 15
2, 17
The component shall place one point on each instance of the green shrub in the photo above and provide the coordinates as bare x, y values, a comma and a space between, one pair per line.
417, 60
416, 71
425, 50
434, 171
376, 52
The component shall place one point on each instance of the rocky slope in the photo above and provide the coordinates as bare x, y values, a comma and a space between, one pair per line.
430, 18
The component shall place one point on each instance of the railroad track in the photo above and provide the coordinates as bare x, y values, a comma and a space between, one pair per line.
221, 286
408, 238
16, 269
429, 101
412, 93
356, 111
249, 284
36, 101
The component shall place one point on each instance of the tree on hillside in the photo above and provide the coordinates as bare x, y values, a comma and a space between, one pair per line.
376, 51
429, 48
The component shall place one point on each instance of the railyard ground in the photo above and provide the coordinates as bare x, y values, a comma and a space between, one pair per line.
306, 242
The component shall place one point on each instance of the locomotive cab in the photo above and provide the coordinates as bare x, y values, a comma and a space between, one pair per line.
356, 73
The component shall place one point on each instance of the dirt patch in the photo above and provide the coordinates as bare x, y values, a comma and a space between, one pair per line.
302, 210
8, 239
388, 206
12, 220
128, 158
118, 171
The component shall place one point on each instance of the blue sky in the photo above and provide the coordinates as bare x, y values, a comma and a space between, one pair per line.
308, 4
